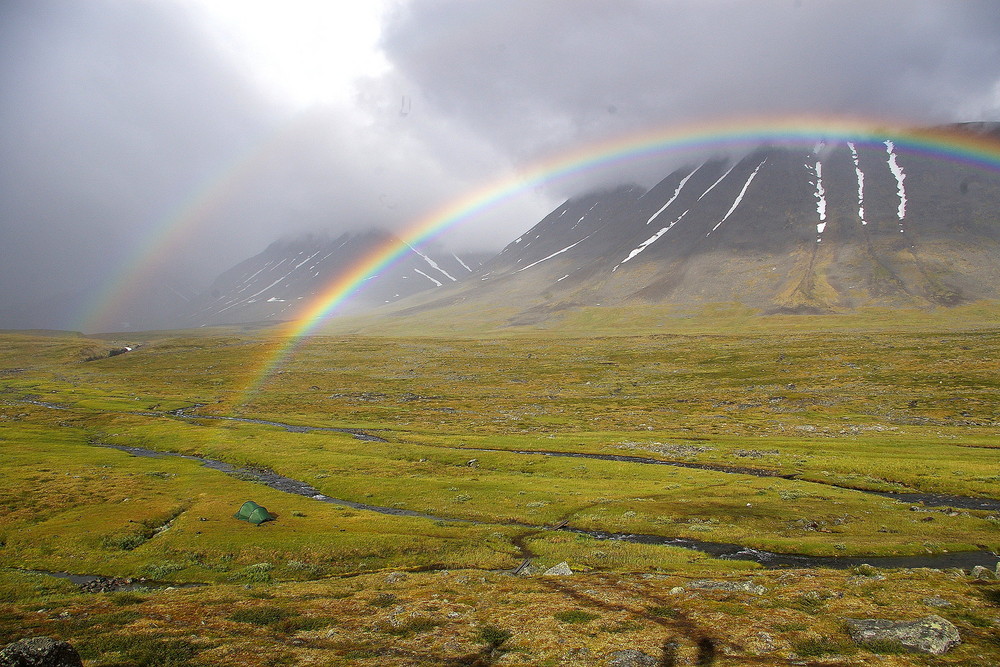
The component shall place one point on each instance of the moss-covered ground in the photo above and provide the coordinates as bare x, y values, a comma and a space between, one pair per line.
835, 407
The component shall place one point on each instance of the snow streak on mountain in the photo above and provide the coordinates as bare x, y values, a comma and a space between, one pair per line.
281, 281
781, 230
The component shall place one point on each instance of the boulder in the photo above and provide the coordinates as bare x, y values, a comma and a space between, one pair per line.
931, 634
728, 586
980, 572
631, 658
560, 570
39, 652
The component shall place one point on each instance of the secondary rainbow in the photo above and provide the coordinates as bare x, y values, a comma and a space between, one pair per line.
170, 230
731, 135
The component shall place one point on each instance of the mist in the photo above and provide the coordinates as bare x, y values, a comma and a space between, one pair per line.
141, 147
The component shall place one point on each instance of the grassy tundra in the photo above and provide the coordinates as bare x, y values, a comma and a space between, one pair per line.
832, 407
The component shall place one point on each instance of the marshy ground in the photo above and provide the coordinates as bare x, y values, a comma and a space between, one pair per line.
831, 414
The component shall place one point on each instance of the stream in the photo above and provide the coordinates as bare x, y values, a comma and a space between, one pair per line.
962, 559
928, 499
958, 559
360, 435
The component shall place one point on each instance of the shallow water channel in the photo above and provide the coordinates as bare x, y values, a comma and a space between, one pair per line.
360, 435
928, 499
964, 559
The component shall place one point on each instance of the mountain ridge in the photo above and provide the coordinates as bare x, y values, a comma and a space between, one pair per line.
834, 228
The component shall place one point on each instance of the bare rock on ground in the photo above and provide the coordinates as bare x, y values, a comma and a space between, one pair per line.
560, 570
631, 658
728, 586
980, 572
930, 634
39, 652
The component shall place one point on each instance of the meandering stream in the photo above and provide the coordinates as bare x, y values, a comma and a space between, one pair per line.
293, 428
963, 559
929, 499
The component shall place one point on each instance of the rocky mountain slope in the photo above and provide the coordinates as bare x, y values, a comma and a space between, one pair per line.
280, 282
827, 228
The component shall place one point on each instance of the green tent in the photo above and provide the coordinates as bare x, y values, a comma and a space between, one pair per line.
254, 513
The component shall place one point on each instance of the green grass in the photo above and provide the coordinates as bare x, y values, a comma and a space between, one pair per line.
841, 405
140, 650
822, 646
493, 636
797, 402
575, 616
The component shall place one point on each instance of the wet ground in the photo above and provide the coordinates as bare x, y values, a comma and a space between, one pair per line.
963, 559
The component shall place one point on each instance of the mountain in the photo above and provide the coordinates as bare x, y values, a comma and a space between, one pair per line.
278, 283
828, 228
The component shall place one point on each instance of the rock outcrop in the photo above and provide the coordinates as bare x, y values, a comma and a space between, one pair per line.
931, 634
39, 652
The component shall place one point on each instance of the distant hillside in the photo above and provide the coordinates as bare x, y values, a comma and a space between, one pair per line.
831, 228
280, 282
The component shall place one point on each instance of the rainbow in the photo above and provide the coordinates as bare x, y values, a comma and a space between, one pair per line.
726, 136
171, 230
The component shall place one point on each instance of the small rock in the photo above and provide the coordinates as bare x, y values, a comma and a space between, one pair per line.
729, 586
39, 652
631, 658
527, 569
980, 572
394, 577
931, 634
676, 590
762, 642
472, 463
935, 601
560, 570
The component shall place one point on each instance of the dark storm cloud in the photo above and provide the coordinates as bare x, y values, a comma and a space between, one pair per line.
537, 77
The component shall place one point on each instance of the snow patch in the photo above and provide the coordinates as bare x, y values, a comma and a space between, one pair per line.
861, 183
306, 259
652, 239
557, 252
252, 297
433, 280
897, 171
712, 186
432, 263
676, 192
739, 197
820, 193
464, 265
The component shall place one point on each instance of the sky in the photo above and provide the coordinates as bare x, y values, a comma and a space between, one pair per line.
161, 142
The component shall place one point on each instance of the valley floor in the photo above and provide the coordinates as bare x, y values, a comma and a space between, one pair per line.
776, 441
